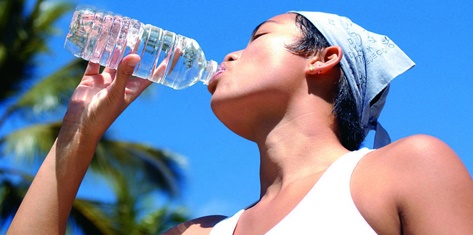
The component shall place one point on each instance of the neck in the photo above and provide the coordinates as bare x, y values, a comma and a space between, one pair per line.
296, 149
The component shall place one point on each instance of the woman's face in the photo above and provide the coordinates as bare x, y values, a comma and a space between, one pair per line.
263, 77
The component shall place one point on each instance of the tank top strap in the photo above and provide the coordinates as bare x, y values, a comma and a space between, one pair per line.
328, 207
228, 225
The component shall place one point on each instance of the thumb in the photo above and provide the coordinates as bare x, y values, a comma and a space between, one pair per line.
125, 70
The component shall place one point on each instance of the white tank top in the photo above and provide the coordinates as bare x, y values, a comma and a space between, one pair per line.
328, 207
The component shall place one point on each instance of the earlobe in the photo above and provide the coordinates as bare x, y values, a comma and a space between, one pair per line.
313, 65
311, 68
325, 61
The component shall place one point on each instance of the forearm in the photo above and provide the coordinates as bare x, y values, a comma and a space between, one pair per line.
94, 105
49, 200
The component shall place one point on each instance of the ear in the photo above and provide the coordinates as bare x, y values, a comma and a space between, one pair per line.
325, 60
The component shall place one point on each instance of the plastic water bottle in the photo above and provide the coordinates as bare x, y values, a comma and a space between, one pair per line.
166, 58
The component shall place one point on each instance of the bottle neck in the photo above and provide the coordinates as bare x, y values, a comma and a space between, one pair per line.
209, 71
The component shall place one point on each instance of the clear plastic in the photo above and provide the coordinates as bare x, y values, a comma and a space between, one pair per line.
166, 58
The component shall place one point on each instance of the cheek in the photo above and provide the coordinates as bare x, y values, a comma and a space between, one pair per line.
259, 65
272, 60
262, 68
267, 54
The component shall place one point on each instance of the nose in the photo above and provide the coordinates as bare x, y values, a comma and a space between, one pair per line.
232, 56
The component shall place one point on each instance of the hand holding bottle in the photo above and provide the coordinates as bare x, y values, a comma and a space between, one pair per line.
95, 104
101, 97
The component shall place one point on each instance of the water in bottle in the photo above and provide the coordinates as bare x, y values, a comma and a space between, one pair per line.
166, 58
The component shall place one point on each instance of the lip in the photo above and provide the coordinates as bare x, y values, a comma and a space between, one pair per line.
220, 70
213, 81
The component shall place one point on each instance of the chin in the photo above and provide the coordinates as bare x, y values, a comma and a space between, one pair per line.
226, 109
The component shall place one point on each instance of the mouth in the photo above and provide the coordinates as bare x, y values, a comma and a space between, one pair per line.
220, 70
213, 81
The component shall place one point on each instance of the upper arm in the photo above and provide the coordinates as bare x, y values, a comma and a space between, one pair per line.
199, 226
435, 188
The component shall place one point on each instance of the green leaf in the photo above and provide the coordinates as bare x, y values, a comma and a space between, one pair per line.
47, 13
53, 92
11, 194
30, 143
91, 217
144, 163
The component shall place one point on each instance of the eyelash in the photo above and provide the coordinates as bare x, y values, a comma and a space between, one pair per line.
257, 36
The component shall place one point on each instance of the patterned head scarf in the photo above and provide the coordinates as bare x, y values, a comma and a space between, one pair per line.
370, 62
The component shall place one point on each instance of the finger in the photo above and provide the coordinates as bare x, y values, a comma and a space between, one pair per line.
92, 69
111, 72
135, 87
143, 84
125, 71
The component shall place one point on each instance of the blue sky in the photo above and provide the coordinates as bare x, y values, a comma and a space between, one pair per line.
221, 168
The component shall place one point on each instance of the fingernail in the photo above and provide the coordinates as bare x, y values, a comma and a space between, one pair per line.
132, 62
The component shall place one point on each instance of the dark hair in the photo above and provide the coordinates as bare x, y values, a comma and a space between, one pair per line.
344, 107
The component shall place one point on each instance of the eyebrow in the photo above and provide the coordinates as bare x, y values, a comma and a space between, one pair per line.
259, 26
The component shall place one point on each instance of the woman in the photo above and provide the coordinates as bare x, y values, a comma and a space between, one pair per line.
307, 103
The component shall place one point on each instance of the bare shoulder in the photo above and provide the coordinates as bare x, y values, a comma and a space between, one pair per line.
425, 157
422, 159
428, 183
199, 226
422, 145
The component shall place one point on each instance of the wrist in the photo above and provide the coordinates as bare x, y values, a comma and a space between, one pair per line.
77, 137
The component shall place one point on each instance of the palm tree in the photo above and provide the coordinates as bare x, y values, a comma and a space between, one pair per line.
121, 164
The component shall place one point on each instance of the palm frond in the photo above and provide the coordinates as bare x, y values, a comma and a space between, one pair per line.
136, 172
24, 35
92, 217
52, 92
46, 13
48, 95
159, 167
30, 143
40, 23
13, 186
161, 220
136, 211
10, 199
12, 67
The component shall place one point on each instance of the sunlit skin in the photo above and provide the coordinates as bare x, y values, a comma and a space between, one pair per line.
259, 95
282, 102
258, 83
268, 95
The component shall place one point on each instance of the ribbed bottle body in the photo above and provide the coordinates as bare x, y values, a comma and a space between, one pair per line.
166, 58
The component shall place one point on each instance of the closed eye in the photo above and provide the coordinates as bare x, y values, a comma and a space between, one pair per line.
256, 36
